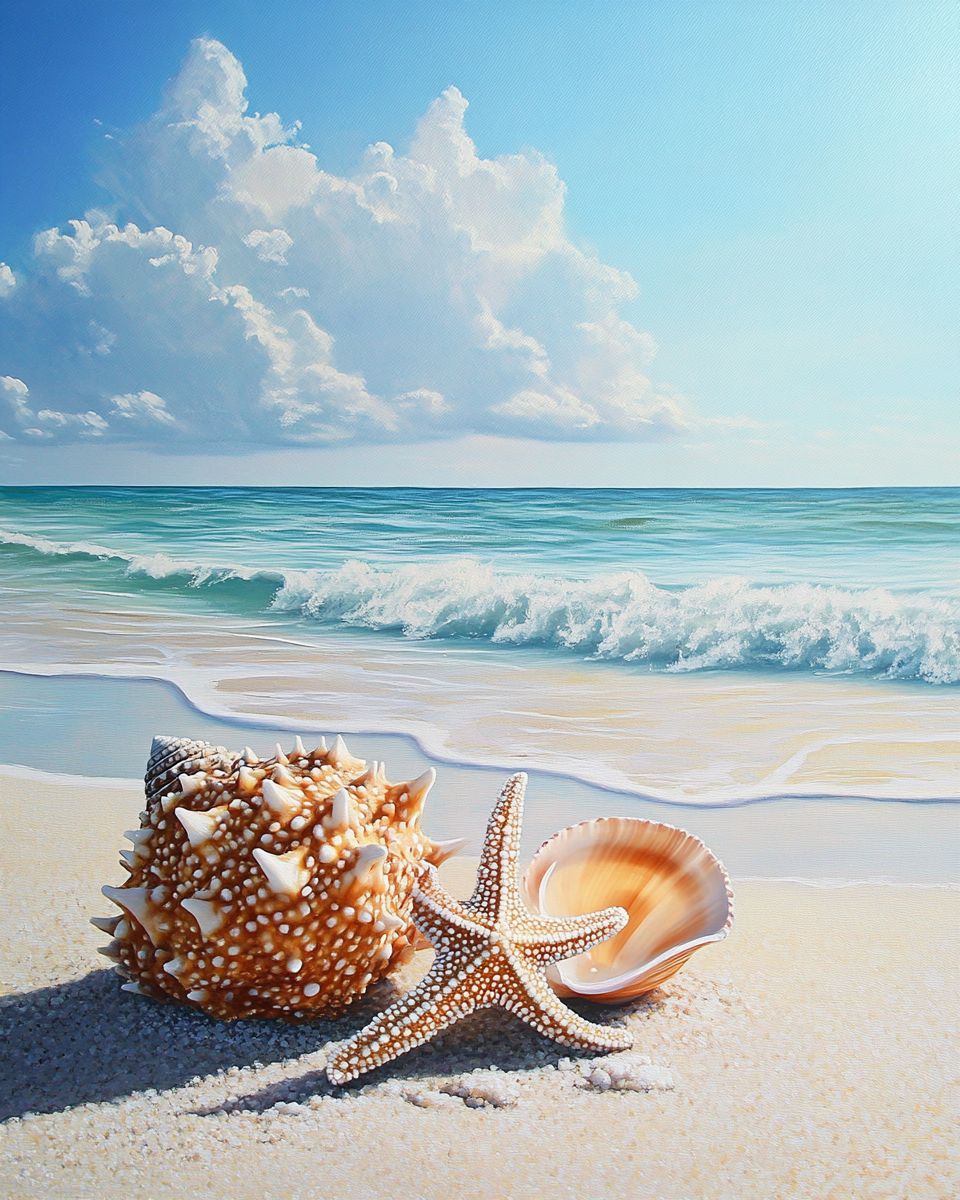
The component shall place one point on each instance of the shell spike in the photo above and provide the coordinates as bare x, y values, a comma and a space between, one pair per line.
139, 838
135, 901
298, 748
280, 800
246, 781
191, 784
249, 756
284, 873
417, 790
207, 917
282, 776
281, 757
106, 924
200, 826
370, 775
342, 812
340, 756
441, 851
369, 857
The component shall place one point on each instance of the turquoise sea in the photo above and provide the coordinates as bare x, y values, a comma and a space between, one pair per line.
705, 649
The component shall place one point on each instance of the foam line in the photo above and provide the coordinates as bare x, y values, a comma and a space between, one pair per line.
832, 884
724, 623
721, 798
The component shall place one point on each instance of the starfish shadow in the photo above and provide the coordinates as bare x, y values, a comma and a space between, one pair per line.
488, 1038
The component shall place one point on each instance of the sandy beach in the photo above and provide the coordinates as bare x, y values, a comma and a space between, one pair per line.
545, 407
812, 1054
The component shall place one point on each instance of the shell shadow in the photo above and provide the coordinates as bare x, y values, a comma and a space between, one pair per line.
87, 1042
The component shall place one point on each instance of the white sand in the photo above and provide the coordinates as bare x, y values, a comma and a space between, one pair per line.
813, 1054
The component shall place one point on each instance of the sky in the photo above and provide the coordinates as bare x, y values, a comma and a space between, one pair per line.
659, 243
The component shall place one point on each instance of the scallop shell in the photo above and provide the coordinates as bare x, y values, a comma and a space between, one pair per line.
676, 893
268, 888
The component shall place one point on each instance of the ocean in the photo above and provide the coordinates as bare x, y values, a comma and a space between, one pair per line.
683, 653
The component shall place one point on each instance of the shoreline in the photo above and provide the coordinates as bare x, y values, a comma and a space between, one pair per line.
56, 779
604, 780
805, 1060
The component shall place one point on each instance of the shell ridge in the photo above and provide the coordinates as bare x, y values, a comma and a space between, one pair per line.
671, 884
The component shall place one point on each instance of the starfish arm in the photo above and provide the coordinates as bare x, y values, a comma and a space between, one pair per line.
536, 1003
435, 912
434, 1004
498, 876
489, 950
547, 940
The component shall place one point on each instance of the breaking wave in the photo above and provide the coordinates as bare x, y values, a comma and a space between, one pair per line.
727, 622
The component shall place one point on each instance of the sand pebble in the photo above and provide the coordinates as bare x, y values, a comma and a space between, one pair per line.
431, 1098
482, 1088
625, 1072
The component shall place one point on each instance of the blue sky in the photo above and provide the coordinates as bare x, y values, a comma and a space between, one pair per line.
692, 243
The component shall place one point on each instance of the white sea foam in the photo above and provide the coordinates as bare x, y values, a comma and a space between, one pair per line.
721, 623
726, 622
156, 566
834, 883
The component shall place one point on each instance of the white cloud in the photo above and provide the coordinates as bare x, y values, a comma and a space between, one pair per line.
99, 340
51, 421
567, 411
141, 406
90, 424
16, 392
270, 245
8, 282
425, 400
428, 294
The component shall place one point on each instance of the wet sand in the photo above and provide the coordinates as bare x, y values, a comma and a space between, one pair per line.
711, 737
811, 1054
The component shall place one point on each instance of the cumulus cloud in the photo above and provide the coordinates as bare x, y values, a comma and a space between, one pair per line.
270, 245
267, 301
142, 407
48, 422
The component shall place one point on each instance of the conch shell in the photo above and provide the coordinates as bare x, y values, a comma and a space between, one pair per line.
268, 888
676, 893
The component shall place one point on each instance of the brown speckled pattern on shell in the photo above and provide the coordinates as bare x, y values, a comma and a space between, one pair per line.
490, 951
276, 888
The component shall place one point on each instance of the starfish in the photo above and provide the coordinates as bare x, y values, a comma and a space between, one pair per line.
490, 951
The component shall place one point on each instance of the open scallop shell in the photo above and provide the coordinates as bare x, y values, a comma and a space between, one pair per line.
676, 893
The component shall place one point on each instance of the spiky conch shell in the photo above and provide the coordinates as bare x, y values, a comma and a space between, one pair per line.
275, 888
